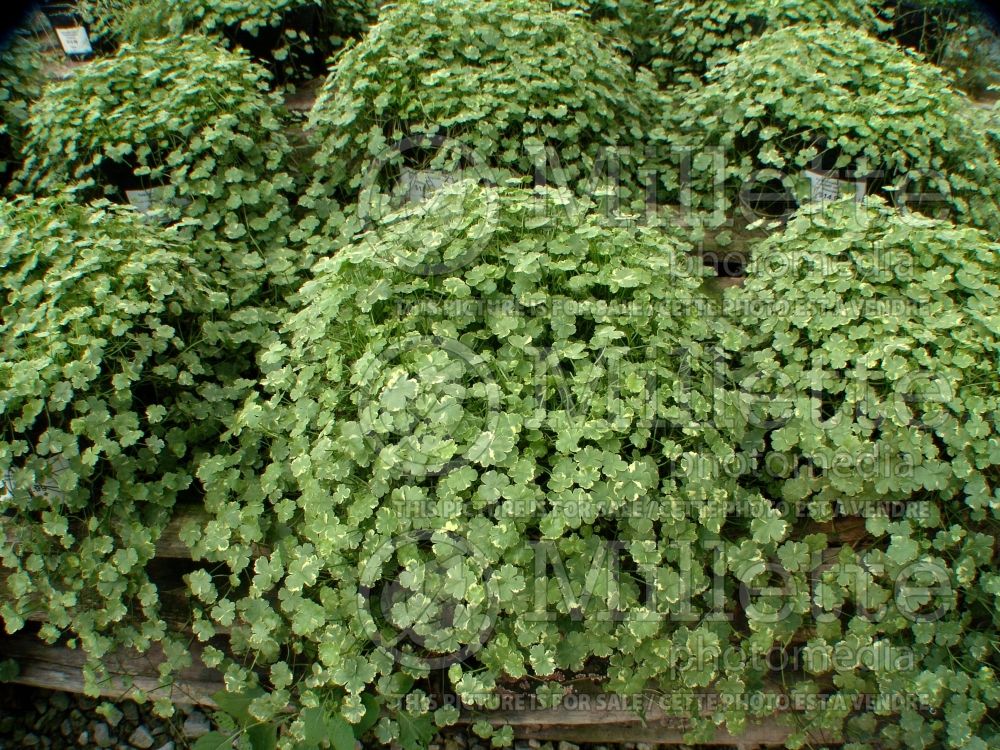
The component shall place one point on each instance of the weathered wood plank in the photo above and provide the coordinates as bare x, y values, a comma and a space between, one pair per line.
847, 530
594, 729
60, 668
169, 545
303, 97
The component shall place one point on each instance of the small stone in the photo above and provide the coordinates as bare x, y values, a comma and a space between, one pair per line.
166, 746
59, 701
66, 728
568, 746
102, 734
30, 740
83, 739
196, 725
534, 743
111, 714
141, 738
131, 712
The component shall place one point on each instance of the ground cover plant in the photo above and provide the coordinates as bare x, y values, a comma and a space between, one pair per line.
852, 106
420, 425
20, 83
293, 38
674, 39
183, 127
449, 400
488, 89
876, 391
112, 377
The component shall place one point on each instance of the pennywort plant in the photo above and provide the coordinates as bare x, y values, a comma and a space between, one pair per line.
630, 26
424, 439
852, 107
870, 379
293, 38
695, 36
889, 342
187, 128
678, 39
491, 89
113, 378
20, 84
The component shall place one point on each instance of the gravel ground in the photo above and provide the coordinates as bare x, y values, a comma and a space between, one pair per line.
48, 720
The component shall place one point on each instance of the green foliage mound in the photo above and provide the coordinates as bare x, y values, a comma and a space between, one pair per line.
924, 352
487, 85
689, 37
20, 83
871, 375
292, 37
189, 119
547, 385
849, 102
112, 378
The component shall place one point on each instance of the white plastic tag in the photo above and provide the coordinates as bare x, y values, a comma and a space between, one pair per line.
75, 41
825, 188
47, 487
145, 200
416, 185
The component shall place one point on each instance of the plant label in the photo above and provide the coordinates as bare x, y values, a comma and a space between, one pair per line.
46, 486
154, 198
416, 185
75, 40
824, 188
145, 201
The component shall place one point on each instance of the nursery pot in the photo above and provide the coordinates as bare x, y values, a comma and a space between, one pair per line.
828, 182
70, 29
141, 192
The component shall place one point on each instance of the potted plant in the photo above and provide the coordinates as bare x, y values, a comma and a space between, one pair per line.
439, 427
114, 377
292, 38
679, 39
186, 124
853, 107
869, 372
544, 101
20, 84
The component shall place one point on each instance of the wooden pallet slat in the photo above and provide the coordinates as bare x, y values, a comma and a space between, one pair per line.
56, 667
60, 668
